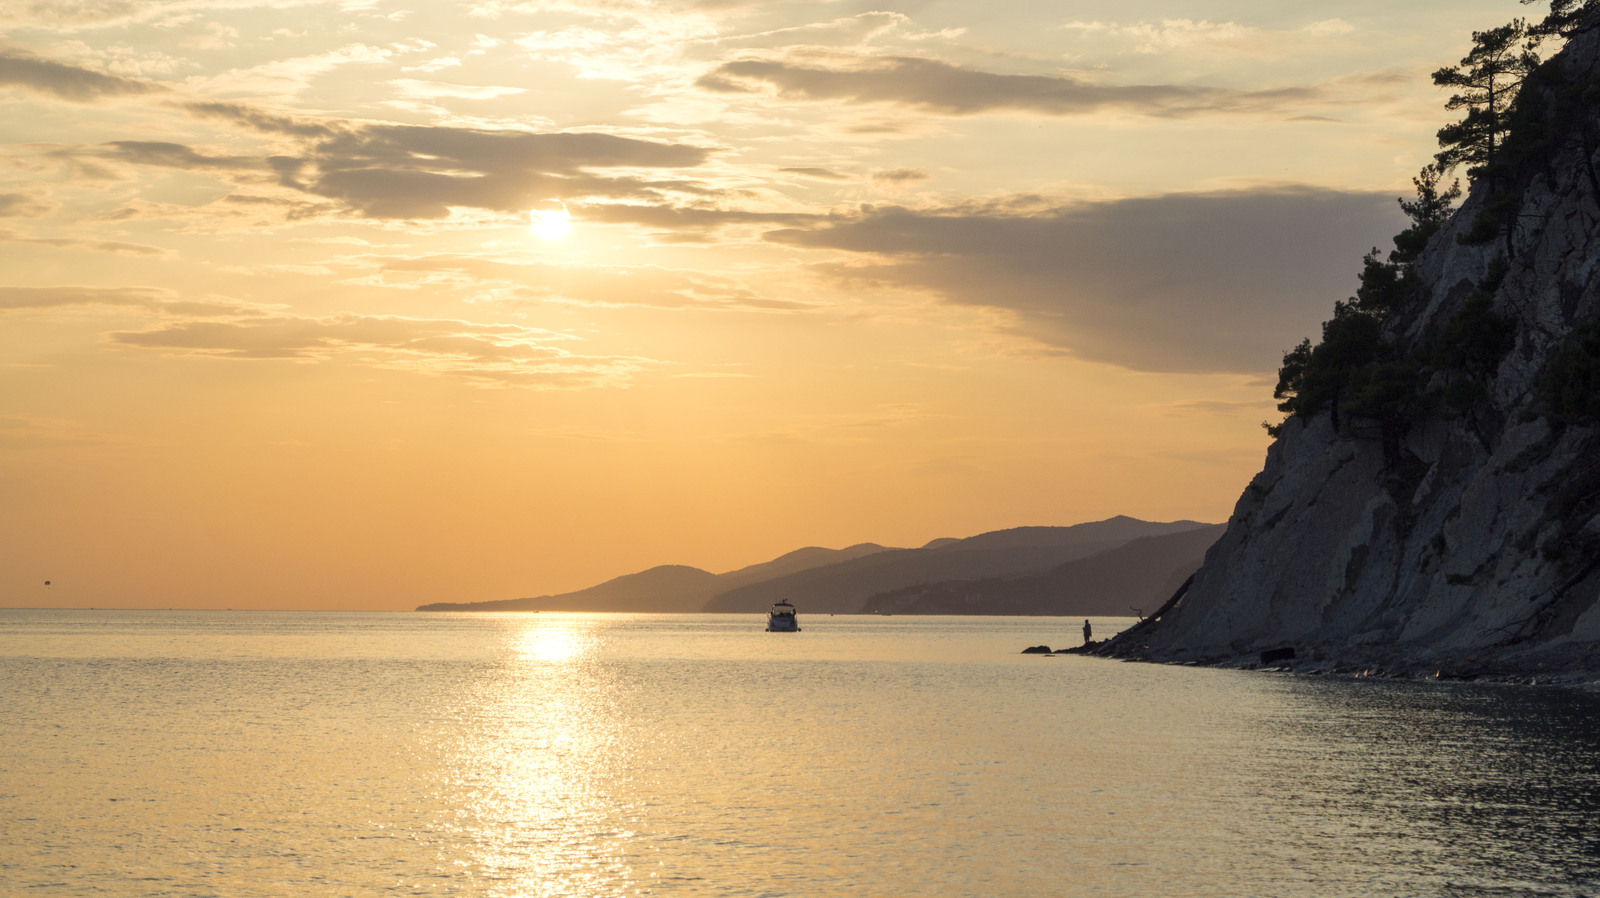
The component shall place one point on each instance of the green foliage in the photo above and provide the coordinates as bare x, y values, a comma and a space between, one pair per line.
1291, 381
1334, 371
1570, 382
1355, 373
1387, 393
1491, 220
1428, 213
1517, 112
1486, 81
1476, 338
1318, 377
1566, 17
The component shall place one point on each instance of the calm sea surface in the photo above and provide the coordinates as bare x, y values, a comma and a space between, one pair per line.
257, 754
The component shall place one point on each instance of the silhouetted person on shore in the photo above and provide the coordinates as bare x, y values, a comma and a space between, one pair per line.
1087, 632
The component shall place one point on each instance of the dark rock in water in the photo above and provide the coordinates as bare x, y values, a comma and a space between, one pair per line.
1036, 650
1273, 656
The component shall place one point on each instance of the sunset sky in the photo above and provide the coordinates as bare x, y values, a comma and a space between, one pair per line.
375, 303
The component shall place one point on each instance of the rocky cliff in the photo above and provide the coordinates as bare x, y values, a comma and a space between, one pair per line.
1462, 536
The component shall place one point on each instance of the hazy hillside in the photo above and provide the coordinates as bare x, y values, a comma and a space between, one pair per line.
1110, 532
793, 562
841, 580
845, 587
667, 589
670, 587
1136, 576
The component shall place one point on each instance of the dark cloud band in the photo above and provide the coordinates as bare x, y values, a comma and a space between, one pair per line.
939, 87
1208, 282
68, 82
384, 170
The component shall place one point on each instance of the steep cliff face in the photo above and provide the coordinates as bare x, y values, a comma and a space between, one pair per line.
1472, 546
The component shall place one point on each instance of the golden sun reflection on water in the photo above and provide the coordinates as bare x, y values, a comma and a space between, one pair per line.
554, 643
536, 779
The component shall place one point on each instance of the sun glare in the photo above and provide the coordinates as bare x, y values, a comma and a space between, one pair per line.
550, 224
552, 643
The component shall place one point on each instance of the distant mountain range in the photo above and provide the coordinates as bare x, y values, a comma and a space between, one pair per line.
1131, 579
1099, 568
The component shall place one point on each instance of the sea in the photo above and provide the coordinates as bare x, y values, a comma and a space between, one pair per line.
211, 753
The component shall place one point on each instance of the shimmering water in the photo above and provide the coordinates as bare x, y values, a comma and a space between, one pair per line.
255, 754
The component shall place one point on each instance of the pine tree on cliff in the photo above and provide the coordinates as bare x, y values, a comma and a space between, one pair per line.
1567, 17
1356, 372
1487, 82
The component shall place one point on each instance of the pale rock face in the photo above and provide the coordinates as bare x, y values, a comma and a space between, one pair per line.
1481, 551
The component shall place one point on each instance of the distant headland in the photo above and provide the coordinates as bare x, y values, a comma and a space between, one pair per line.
1117, 567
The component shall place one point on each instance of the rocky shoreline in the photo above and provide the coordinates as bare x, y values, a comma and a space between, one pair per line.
1344, 669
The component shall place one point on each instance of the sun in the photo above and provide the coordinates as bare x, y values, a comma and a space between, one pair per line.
550, 223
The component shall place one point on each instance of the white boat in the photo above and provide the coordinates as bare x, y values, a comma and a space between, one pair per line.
781, 619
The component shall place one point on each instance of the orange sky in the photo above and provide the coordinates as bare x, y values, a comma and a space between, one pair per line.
291, 315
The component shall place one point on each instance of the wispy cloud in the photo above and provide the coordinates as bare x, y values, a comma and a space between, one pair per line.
286, 78
91, 14
414, 89
589, 285
383, 170
841, 32
901, 175
492, 355
1189, 35
690, 222
22, 205
821, 174
116, 247
943, 88
495, 355
68, 82
155, 299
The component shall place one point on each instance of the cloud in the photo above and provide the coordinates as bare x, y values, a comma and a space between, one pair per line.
70, 14
101, 246
1211, 408
385, 170
494, 355
821, 174
848, 30
901, 175
52, 297
288, 77
174, 155
940, 87
22, 205
412, 89
155, 299
1199, 282
689, 222
591, 285
1187, 35
68, 82
483, 354
258, 119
